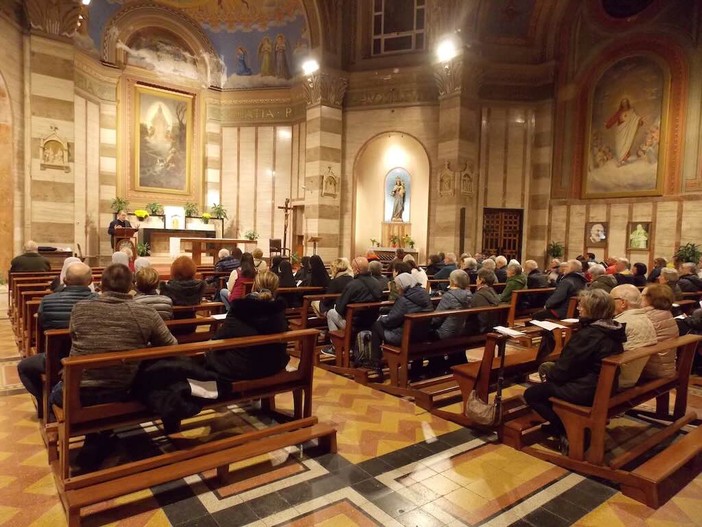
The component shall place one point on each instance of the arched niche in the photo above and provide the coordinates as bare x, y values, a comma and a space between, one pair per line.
6, 176
382, 156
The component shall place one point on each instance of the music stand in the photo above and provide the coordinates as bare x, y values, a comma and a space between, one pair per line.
124, 236
314, 240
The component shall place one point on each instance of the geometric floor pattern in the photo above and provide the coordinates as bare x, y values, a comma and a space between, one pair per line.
396, 465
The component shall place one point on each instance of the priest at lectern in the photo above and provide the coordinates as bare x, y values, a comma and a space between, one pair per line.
120, 222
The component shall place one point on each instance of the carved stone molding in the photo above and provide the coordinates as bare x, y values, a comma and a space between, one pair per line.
54, 17
453, 181
460, 75
325, 88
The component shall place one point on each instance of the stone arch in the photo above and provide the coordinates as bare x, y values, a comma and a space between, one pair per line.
134, 17
7, 176
378, 156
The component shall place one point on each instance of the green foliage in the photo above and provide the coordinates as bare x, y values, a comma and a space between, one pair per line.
251, 235
119, 204
408, 241
143, 249
690, 252
394, 240
191, 209
154, 208
555, 249
294, 258
218, 211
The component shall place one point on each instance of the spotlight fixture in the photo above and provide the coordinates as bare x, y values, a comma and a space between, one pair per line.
86, 2
310, 66
448, 48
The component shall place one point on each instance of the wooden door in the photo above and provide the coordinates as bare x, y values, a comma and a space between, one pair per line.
502, 232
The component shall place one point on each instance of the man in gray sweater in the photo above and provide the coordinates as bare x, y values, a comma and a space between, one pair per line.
111, 322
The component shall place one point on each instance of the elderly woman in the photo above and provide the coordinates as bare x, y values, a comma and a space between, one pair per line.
388, 328
146, 285
657, 301
516, 280
670, 277
573, 377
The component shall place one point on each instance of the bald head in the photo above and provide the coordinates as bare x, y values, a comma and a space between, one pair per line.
360, 265
78, 274
626, 296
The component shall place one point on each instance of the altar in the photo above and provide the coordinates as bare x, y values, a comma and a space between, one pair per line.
208, 245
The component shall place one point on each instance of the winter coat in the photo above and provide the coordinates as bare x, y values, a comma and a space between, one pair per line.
606, 282
29, 262
537, 280
639, 332
414, 300
690, 283
161, 303
55, 309
227, 264
445, 272
514, 283
248, 317
691, 324
363, 288
576, 371
661, 364
484, 322
336, 286
452, 300
568, 286
184, 292
501, 275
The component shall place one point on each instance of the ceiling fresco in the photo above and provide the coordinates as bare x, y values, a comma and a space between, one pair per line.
258, 42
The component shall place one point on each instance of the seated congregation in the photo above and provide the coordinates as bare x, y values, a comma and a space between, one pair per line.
137, 346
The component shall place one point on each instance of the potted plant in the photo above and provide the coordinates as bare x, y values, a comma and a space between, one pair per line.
119, 204
374, 242
555, 249
690, 252
141, 214
155, 209
251, 235
218, 211
191, 209
206, 217
143, 249
394, 240
407, 240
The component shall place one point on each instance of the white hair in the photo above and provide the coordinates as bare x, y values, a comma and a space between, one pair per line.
31, 247
596, 270
501, 261
223, 253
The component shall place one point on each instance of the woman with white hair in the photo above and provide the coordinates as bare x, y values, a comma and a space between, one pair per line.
58, 283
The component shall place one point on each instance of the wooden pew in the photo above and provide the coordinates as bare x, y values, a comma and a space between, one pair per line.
399, 357
647, 482
74, 419
519, 299
203, 307
308, 318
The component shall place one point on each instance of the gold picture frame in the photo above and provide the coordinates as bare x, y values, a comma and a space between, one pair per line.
163, 135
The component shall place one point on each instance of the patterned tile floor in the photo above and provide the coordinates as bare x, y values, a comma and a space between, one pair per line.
396, 466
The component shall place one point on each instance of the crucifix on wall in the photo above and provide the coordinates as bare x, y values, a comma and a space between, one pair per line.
286, 208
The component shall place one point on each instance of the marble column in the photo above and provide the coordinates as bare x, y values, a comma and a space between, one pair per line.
324, 93
455, 180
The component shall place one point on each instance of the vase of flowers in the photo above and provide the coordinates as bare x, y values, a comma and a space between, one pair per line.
206, 217
141, 214
251, 235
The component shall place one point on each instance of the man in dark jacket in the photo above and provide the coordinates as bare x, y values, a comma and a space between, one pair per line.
376, 271
55, 313
484, 296
689, 282
228, 262
363, 288
449, 265
557, 304
535, 278
30, 261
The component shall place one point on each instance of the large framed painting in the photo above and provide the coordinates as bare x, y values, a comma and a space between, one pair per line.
627, 126
163, 135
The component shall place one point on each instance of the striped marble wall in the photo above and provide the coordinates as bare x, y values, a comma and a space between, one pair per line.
107, 181
51, 191
536, 218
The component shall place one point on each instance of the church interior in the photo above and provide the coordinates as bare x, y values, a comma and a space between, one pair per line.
509, 126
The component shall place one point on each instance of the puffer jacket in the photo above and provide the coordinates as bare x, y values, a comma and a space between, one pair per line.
452, 300
639, 332
161, 303
606, 282
484, 322
184, 292
661, 364
514, 283
55, 309
690, 283
414, 300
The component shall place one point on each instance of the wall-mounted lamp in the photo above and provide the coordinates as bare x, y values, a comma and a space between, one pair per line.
448, 48
310, 66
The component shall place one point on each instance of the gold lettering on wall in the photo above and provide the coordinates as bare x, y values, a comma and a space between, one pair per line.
259, 114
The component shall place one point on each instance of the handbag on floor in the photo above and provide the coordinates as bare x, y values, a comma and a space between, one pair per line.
482, 412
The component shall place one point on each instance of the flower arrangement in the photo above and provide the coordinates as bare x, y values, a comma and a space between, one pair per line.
154, 208
407, 240
191, 209
206, 217
251, 235
394, 240
141, 214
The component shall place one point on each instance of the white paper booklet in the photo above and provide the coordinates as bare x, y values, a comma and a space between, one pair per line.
509, 331
545, 324
203, 389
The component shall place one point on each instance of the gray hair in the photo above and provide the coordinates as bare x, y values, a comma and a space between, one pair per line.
31, 247
575, 266
487, 276
530, 265
375, 267
670, 275
408, 258
450, 257
501, 261
628, 292
459, 278
223, 253
690, 267
596, 270
514, 266
489, 264
470, 263
597, 303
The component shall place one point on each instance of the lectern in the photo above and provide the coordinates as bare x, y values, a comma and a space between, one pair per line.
314, 240
124, 237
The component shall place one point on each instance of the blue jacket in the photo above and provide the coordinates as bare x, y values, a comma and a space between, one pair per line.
55, 309
414, 300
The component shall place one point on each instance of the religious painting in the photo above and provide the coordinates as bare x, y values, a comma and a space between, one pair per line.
54, 152
596, 234
627, 124
397, 196
639, 234
163, 135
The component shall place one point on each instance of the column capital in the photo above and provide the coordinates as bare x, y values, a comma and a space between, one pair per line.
325, 87
462, 74
54, 17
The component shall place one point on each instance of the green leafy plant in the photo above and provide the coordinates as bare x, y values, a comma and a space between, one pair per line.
394, 240
154, 208
191, 209
218, 211
251, 235
690, 252
143, 249
294, 258
555, 249
119, 204
408, 241
374, 242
